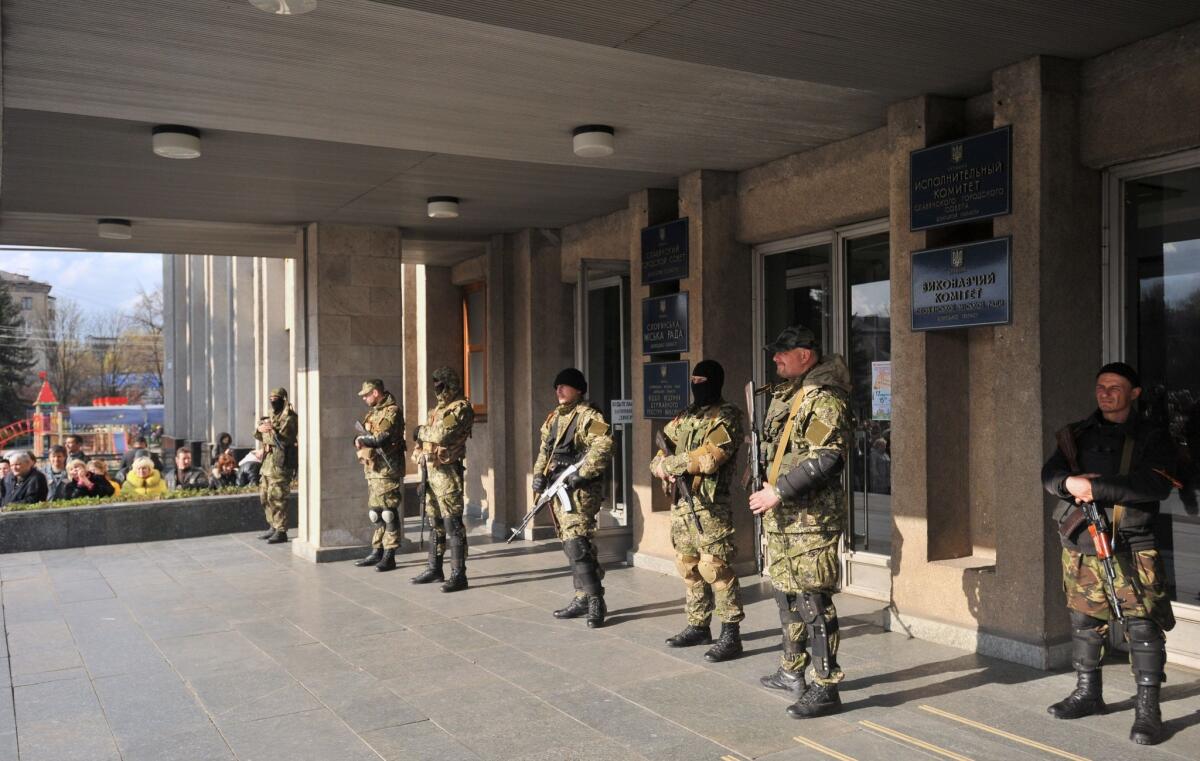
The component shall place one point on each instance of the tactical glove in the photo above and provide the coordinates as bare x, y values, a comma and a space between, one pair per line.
539, 483
574, 481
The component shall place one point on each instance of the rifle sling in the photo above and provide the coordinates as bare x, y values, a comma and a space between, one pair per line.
786, 438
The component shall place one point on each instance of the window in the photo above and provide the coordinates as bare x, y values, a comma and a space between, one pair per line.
475, 346
27, 303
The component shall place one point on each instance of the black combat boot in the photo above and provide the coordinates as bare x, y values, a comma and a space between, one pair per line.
433, 567
375, 556
574, 609
596, 611
458, 568
728, 645
818, 700
1086, 699
279, 537
388, 562
1147, 718
787, 681
690, 636
269, 533
1087, 648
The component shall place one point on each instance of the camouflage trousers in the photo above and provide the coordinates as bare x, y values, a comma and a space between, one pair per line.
1084, 582
443, 496
386, 494
272, 493
580, 522
704, 560
802, 563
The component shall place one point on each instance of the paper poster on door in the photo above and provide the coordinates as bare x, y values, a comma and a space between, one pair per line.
881, 390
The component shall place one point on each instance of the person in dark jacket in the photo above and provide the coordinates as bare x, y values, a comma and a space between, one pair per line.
185, 476
26, 484
225, 472
56, 473
85, 484
1123, 465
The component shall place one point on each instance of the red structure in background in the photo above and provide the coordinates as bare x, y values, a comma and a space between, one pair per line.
47, 420
110, 401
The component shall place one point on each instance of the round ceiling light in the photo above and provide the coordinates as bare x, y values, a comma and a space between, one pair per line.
593, 141
442, 207
115, 229
172, 141
285, 7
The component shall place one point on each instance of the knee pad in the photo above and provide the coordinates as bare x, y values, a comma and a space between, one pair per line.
686, 565
812, 607
787, 611
374, 515
1147, 650
389, 516
715, 571
577, 549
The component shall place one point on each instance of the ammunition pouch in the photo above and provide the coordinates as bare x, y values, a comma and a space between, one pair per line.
1070, 521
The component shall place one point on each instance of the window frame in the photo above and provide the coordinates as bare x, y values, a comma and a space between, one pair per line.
479, 406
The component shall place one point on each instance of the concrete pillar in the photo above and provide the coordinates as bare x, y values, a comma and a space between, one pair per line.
197, 348
276, 345
219, 341
176, 407
504, 510
243, 401
352, 330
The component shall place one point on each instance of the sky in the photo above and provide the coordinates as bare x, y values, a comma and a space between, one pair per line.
98, 282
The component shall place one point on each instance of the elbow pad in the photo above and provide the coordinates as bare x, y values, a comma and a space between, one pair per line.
378, 440
812, 473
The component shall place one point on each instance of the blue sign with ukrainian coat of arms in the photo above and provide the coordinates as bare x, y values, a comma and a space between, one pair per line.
962, 286
960, 181
665, 252
665, 324
665, 389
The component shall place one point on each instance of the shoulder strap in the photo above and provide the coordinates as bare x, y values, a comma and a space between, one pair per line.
786, 438
1126, 462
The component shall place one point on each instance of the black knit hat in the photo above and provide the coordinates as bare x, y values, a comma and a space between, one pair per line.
1125, 371
573, 378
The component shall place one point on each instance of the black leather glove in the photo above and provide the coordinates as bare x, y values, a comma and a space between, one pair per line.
574, 481
539, 483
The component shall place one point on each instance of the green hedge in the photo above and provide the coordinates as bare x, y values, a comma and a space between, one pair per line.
90, 501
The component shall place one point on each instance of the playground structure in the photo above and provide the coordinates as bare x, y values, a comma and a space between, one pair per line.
46, 425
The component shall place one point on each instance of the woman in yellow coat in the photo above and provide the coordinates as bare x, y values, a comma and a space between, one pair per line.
143, 480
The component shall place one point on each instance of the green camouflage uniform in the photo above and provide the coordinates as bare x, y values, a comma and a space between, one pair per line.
571, 431
442, 445
385, 486
1084, 582
802, 535
277, 470
706, 442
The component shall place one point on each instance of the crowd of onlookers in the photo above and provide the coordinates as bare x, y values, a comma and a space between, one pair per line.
69, 473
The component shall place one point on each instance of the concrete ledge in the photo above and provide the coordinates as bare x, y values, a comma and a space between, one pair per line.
1042, 657
128, 522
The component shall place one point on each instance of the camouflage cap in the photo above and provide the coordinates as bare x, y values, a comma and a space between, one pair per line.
369, 385
446, 377
280, 393
792, 337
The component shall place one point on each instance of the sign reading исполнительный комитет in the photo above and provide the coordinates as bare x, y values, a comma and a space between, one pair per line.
962, 286
961, 181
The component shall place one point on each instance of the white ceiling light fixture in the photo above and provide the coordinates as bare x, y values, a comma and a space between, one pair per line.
285, 7
115, 229
173, 141
593, 141
442, 207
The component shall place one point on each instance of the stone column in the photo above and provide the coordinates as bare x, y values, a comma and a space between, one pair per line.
176, 355
243, 400
352, 330
197, 393
219, 340
504, 508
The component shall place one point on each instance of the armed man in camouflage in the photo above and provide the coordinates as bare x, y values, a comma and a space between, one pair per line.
805, 437
1121, 463
441, 447
705, 438
278, 433
576, 432
381, 452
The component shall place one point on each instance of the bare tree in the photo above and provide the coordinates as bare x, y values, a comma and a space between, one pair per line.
146, 334
110, 347
68, 359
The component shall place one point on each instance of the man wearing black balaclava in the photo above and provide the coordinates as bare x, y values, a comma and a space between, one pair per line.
705, 438
278, 433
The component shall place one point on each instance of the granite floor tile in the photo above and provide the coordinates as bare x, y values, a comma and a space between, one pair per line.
420, 741
311, 736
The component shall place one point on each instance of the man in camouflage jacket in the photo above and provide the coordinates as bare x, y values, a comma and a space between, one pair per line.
805, 438
576, 432
381, 452
278, 433
441, 447
705, 437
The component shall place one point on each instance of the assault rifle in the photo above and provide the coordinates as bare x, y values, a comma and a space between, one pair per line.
681, 482
557, 489
358, 426
1097, 526
422, 492
754, 460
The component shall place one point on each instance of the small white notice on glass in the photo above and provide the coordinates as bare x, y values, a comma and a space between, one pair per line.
622, 411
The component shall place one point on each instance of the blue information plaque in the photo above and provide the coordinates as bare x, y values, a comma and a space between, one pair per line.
961, 181
962, 286
665, 389
665, 324
665, 252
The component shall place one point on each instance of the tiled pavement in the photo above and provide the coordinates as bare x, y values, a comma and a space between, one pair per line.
226, 648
